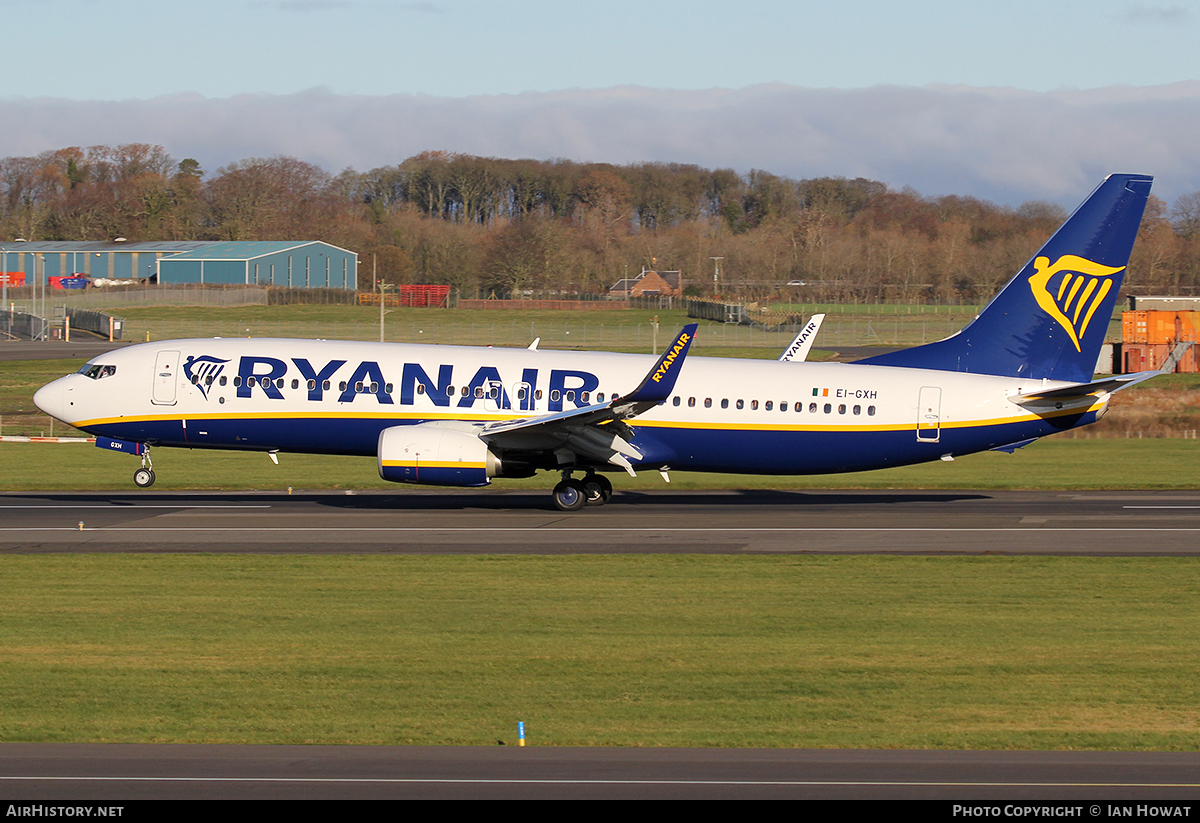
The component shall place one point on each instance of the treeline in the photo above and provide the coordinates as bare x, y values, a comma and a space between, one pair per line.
496, 226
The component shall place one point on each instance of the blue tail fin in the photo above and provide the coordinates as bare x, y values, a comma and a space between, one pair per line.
1051, 319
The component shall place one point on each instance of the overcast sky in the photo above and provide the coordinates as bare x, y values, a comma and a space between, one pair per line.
1009, 101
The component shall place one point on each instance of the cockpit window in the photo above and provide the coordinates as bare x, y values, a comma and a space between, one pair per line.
96, 371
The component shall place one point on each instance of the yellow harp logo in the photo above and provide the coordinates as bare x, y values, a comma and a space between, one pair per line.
1075, 297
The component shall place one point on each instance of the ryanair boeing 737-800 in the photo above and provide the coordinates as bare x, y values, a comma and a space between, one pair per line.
460, 416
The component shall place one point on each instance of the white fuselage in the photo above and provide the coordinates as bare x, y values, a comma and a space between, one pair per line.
753, 416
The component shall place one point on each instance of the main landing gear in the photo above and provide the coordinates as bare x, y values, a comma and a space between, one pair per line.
571, 495
144, 477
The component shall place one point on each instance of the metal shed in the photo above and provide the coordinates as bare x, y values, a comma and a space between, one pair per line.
298, 264
111, 259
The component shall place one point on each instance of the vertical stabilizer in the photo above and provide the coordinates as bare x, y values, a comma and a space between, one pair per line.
1050, 320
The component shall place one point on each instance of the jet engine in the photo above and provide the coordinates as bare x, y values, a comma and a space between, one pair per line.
435, 454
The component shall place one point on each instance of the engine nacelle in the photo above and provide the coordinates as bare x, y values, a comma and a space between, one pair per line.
436, 455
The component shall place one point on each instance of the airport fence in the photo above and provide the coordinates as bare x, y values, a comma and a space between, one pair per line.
99, 323
182, 295
19, 325
116, 297
570, 334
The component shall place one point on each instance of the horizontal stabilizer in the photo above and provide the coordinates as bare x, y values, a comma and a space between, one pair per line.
1080, 391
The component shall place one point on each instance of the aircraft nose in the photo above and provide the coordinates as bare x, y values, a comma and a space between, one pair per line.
49, 398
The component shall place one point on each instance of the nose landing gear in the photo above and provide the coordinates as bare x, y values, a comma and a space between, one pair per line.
144, 477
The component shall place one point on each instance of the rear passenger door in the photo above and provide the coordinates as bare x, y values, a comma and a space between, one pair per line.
929, 414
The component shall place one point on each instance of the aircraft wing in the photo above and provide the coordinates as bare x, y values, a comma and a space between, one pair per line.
598, 431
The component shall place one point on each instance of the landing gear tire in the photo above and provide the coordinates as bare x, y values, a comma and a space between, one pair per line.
570, 496
143, 478
597, 489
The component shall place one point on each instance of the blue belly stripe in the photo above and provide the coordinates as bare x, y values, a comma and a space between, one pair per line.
682, 448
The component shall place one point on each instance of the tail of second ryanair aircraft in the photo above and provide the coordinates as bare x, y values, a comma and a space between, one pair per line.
1051, 319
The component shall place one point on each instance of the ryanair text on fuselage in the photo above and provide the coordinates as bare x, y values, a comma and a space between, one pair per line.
266, 375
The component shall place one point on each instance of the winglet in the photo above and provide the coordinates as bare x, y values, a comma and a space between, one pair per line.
798, 351
660, 381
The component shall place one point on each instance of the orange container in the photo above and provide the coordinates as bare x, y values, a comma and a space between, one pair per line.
1156, 327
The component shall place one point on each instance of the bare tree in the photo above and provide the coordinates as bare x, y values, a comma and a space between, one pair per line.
1185, 215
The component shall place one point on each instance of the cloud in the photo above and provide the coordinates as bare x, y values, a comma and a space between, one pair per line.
1170, 15
1001, 144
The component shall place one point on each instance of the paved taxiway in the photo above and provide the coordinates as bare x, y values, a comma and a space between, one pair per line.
87, 346
660, 522
98, 772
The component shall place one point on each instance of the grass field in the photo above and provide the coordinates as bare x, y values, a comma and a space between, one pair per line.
628, 330
862, 652
625, 330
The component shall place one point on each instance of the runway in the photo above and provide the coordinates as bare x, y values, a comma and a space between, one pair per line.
115, 772
1135, 523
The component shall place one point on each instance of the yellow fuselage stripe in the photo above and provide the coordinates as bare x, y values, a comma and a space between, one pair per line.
660, 424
